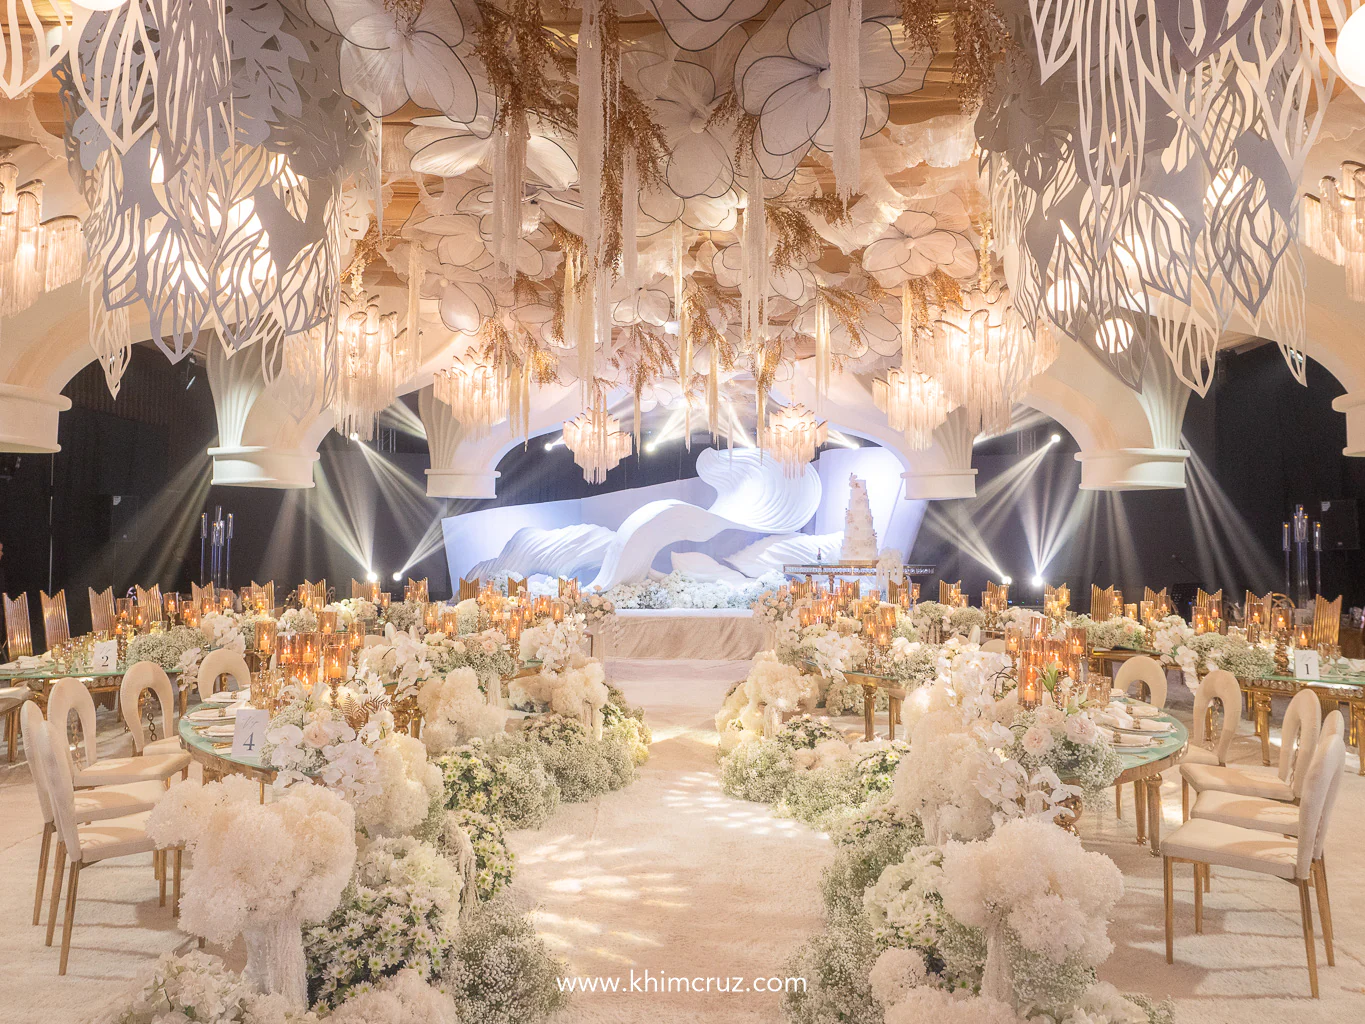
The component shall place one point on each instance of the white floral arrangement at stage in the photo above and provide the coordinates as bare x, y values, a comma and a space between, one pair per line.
924, 618
405, 616
683, 590
455, 710
1016, 615
259, 869
554, 644
1118, 632
298, 620
774, 607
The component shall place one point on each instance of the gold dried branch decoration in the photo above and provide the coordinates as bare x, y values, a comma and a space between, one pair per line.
699, 298
829, 206
632, 128
795, 241
406, 11
527, 64
644, 355
848, 308
746, 125
980, 35
569, 244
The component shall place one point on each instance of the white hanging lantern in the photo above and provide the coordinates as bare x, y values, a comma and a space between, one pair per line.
1333, 223
791, 437
373, 359
476, 392
597, 443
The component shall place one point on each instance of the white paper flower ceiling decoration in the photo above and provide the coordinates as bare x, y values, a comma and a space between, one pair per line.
707, 197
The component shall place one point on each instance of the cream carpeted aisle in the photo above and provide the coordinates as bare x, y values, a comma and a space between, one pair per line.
670, 875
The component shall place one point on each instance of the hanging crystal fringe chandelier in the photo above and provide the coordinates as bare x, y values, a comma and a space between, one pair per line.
373, 357
914, 403
597, 443
791, 437
476, 391
1334, 225
984, 357
35, 257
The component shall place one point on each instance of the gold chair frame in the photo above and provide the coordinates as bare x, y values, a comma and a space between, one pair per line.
469, 588
102, 610
18, 628
56, 625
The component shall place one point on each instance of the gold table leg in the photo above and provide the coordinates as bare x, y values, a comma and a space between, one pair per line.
1263, 725
1140, 809
893, 717
1153, 789
869, 711
1358, 721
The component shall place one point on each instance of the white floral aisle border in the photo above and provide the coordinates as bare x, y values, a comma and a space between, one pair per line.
952, 896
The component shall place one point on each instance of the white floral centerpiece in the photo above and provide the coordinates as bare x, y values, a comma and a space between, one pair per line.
298, 620
1068, 741
405, 616
774, 607
1119, 631
455, 710
552, 643
309, 738
771, 688
224, 631
595, 607
406, 783
259, 869
467, 616
165, 648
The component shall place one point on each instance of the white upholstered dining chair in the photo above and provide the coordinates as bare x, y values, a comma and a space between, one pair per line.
1297, 859
141, 677
1140, 669
71, 695
82, 844
91, 804
1222, 686
219, 663
1298, 742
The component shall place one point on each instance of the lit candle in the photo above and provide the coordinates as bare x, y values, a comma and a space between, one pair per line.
557, 611
327, 623
334, 660
265, 636
356, 635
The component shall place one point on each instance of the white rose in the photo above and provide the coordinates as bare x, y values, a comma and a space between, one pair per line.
1037, 739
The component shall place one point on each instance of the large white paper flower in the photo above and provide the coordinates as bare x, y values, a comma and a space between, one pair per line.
649, 303
389, 57
440, 145
930, 235
698, 24
683, 91
784, 79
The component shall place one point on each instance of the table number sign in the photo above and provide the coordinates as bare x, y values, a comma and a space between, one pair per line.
104, 655
248, 731
1305, 664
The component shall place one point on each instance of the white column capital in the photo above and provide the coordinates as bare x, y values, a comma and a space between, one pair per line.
959, 483
259, 466
450, 483
28, 418
1133, 469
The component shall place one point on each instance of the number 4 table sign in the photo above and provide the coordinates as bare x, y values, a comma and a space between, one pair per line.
248, 731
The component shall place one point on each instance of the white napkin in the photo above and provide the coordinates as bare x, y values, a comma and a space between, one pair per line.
1152, 725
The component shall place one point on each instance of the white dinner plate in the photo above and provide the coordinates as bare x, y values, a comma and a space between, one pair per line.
212, 715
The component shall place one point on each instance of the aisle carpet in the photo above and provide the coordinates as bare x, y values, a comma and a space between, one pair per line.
673, 877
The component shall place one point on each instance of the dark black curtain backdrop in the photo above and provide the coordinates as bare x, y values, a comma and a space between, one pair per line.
120, 503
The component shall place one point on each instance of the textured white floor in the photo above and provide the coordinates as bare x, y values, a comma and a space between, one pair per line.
671, 876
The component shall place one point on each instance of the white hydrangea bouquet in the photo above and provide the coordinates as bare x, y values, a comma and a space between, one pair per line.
595, 607
554, 644
259, 869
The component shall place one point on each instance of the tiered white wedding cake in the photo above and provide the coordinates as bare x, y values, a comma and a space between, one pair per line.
860, 539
